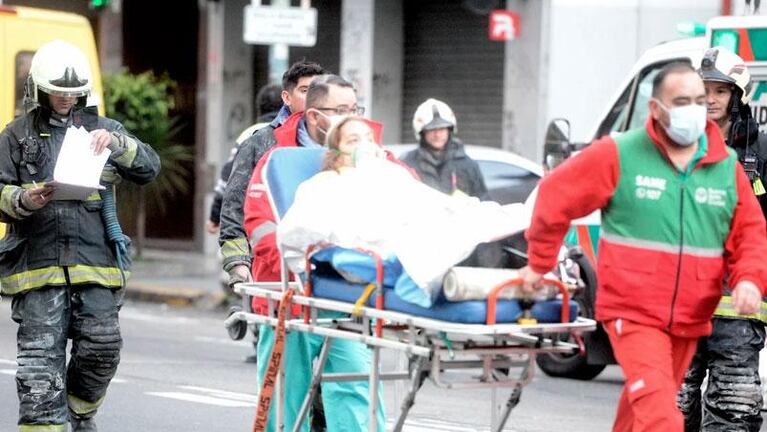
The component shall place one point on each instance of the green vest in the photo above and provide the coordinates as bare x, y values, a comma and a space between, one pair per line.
655, 206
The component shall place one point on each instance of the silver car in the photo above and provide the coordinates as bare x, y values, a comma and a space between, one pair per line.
509, 177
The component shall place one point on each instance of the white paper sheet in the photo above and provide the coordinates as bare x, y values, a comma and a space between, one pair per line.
77, 171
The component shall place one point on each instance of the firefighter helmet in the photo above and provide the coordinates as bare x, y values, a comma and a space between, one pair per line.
61, 69
722, 65
433, 114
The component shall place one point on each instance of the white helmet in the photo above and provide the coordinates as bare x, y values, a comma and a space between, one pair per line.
723, 65
61, 69
433, 114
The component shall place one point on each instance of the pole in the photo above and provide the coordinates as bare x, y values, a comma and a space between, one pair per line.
278, 53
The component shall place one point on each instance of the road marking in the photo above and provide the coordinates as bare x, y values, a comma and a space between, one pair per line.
210, 396
425, 424
147, 317
245, 397
208, 400
8, 371
8, 362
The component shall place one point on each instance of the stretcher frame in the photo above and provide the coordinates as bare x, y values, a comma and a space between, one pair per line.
431, 345
435, 348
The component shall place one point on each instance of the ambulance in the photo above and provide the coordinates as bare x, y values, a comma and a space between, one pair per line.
744, 35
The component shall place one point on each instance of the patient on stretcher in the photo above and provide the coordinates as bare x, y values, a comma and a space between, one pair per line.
362, 200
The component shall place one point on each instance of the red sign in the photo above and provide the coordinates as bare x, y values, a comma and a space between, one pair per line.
503, 26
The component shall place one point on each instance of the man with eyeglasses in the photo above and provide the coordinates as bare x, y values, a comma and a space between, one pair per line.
329, 99
677, 210
233, 239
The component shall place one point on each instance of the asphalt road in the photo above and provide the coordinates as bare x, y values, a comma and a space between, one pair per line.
180, 372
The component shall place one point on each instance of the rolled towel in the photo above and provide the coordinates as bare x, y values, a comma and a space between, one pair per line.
475, 283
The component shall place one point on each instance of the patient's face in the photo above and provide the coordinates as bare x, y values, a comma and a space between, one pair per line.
352, 134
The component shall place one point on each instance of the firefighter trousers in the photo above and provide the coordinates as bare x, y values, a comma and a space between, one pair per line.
49, 390
654, 363
733, 396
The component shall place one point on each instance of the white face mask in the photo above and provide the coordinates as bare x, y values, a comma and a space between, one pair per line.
365, 152
333, 119
687, 123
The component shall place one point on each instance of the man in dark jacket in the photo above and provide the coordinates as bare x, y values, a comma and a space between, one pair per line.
268, 103
232, 238
56, 260
442, 163
440, 159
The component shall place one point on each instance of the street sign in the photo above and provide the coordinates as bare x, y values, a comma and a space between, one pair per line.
503, 25
267, 25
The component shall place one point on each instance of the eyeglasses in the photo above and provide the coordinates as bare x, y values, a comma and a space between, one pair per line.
342, 110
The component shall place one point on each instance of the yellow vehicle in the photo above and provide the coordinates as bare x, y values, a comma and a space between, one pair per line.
22, 31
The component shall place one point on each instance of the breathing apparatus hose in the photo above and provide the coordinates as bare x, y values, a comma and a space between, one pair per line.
113, 229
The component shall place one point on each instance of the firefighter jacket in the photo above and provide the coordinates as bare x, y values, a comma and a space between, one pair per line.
448, 171
233, 239
668, 235
756, 143
64, 241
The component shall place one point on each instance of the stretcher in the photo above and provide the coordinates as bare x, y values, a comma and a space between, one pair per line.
495, 340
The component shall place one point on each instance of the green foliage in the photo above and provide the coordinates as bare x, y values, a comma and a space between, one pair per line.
141, 102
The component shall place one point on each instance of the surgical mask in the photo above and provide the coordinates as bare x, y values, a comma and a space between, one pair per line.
333, 119
365, 152
686, 123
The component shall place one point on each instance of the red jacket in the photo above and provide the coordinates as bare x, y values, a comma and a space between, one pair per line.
586, 183
259, 220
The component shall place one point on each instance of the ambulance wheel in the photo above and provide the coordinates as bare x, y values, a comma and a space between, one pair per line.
575, 365
238, 329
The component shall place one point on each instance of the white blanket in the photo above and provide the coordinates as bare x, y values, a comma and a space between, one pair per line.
381, 207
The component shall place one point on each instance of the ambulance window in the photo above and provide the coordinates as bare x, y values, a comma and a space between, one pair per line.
643, 95
639, 108
23, 61
617, 115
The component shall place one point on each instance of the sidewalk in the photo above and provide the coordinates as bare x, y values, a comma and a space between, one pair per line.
177, 278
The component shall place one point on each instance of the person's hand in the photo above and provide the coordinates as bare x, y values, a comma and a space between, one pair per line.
36, 198
239, 273
530, 279
211, 227
101, 140
746, 298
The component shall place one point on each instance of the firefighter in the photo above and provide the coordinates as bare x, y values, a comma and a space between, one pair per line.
440, 159
56, 260
730, 355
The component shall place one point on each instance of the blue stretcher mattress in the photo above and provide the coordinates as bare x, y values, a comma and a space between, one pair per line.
329, 286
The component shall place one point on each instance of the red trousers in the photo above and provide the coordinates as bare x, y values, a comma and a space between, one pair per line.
654, 363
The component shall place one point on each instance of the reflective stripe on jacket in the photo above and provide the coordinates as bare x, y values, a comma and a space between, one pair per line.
40, 244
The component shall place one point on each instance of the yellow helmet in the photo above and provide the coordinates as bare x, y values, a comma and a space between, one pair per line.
720, 64
433, 114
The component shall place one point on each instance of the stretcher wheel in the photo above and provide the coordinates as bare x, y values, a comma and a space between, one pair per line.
238, 329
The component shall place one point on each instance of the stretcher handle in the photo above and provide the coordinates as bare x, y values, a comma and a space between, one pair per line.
379, 287
492, 298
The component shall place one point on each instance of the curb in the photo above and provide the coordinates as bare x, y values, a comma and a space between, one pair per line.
173, 296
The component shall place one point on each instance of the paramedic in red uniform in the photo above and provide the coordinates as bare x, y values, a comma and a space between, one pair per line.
677, 213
